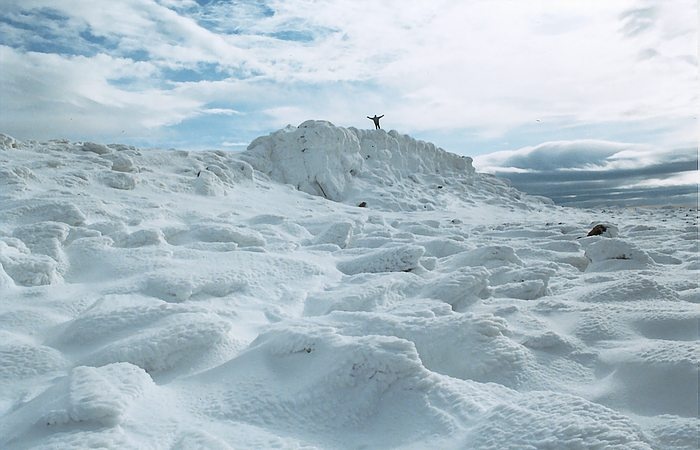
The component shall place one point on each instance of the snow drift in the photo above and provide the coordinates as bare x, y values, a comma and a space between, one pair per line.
386, 170
184, 300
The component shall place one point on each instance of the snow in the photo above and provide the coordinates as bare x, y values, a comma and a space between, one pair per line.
175, 299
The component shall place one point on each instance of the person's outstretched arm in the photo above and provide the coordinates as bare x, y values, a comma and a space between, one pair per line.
380, 116
369, 117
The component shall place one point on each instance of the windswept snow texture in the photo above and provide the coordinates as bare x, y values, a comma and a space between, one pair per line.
188, 300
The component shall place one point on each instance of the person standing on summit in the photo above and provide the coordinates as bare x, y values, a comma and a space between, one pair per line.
375, 119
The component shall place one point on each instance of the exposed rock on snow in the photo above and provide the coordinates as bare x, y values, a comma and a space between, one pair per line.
605, 230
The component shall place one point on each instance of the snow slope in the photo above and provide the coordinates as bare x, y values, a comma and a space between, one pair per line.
387, 171
184, 300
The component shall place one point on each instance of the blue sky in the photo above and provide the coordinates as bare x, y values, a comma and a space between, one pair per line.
473, 76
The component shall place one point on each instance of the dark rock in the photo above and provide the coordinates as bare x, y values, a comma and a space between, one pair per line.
597, 230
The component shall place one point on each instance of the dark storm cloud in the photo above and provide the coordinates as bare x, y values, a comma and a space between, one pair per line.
593, 173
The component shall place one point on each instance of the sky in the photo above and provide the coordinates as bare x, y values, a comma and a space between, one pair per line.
589, 173
473, 76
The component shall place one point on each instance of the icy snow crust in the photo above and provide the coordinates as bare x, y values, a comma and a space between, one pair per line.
186, 300
387, 171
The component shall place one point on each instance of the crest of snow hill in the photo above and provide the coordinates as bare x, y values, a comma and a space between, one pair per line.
382, 170
348, 165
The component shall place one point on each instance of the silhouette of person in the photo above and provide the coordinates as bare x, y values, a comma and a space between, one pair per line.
375, 119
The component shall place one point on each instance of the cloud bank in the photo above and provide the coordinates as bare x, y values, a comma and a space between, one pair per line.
473, 76
594, 173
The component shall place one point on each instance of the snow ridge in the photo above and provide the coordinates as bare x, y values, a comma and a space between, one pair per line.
184, 300
386, 170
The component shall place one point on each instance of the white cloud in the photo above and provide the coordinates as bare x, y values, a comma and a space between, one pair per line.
680, 179
488, 66
51, 95
582, 154
594, 172
234, 144
221, 111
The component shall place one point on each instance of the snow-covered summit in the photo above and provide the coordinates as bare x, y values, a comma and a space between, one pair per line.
387, 170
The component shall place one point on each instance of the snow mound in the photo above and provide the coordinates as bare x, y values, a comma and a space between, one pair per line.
338, 233
384, 170
29, 212
616, 254
562, 422
317, 157
314, 379
397, 259
470, 347
7, 142
629, 289
670, 367
175, 299
88, 397
20, 358
26, 269
179, 341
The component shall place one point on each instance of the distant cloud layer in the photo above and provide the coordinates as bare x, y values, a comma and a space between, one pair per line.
593, 173
472, 76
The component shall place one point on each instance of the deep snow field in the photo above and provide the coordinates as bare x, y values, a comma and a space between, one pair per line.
166, 299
